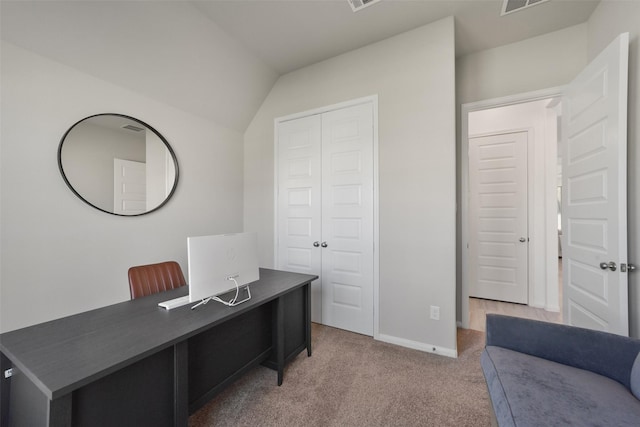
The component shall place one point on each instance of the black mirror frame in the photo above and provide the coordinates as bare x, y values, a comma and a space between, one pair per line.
151, 128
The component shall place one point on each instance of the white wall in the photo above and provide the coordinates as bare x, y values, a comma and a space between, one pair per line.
166, 50
542, 154
546, 61
58, 255
413, 75
608, 20
541, 62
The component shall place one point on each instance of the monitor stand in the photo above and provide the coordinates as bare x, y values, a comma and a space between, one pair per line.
231, 303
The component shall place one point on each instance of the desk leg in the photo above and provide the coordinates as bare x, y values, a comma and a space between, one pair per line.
27, 404
5, 389
181, 384
59, 411
279, 338
307, 317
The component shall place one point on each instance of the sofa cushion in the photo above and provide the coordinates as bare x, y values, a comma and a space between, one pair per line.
569, 345
529, 391
635, 377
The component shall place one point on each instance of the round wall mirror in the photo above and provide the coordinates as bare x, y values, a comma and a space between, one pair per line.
118, 164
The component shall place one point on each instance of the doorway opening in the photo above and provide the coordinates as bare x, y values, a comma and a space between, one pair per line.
594, 198
510, 208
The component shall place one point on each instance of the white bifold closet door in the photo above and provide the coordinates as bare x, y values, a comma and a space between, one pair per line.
325, 212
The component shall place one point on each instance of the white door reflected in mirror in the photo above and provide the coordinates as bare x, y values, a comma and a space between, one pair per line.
129, 187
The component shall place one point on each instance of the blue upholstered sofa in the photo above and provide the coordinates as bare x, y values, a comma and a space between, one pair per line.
544, 374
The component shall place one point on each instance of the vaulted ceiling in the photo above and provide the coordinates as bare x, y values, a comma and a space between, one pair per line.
291, 34
219, 59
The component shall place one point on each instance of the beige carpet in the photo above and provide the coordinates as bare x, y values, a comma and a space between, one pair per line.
352, 380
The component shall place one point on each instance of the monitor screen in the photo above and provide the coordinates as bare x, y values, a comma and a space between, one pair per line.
213, 260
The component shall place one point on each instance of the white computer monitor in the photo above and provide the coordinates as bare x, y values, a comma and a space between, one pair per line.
213, 260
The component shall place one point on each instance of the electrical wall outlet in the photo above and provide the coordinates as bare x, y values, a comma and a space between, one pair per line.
435, 312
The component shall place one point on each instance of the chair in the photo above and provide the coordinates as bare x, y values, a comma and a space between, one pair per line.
153, 278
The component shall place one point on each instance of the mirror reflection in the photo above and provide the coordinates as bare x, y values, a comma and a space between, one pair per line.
118, 164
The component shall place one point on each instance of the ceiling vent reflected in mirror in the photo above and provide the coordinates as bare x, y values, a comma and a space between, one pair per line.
511, 6
132, 128
357, 5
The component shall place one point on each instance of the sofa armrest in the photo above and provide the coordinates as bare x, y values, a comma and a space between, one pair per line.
600, 352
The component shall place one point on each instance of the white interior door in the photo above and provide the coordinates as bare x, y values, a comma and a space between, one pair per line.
594, 207
498, 238
129, 187
325, 212
299, 202
347, 219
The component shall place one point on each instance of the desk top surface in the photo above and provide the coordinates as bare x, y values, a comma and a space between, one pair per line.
62, 355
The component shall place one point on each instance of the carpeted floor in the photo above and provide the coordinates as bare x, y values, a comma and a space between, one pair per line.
352, 380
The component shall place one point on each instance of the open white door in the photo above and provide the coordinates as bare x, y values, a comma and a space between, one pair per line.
594, 206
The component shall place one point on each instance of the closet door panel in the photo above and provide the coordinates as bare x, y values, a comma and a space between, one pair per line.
299, 201
347, 218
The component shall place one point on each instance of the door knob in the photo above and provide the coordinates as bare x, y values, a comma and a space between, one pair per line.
611, 266
631, 268
522, 239
316, 244
324, 244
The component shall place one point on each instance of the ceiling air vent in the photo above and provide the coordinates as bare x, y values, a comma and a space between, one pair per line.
357, 5
510, 6
132, 128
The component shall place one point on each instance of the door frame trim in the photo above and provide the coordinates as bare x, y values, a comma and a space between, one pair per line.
373, 100
465, 109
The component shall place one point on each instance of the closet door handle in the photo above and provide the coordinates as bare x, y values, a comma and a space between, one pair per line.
611, 266
324, 244
316, 244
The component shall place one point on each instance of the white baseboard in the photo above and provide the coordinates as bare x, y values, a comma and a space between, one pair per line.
553, 308
443, 351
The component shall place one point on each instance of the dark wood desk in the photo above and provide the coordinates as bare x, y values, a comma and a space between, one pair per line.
136, 364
